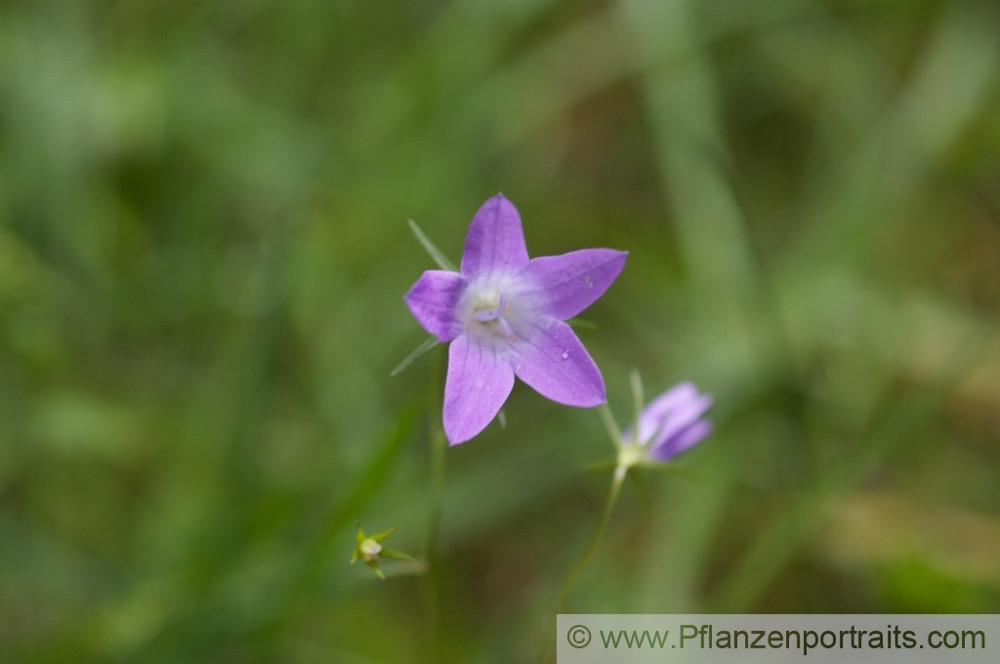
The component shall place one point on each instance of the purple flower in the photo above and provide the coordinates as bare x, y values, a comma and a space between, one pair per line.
503, 314
672, 423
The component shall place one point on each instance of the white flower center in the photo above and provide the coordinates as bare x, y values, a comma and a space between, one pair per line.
490, 313
369, 549
497, 309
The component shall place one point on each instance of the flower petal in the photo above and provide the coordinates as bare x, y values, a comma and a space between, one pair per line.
432, 300
495, 239
479, 380
653, 416
555, 363
683, 415
571, 282
682, 441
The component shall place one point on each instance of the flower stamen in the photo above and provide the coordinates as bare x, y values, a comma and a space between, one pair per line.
492, 316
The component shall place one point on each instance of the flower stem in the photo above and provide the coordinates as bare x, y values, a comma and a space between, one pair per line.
616, 484
438, 449
574, 574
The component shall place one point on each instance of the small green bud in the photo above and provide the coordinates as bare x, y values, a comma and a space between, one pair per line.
369, 549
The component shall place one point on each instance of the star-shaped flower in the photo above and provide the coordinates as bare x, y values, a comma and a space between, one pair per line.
503, 314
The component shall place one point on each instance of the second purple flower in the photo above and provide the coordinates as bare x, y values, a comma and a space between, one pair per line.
503, 314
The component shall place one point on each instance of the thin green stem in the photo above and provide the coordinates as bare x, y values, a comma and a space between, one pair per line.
439, 446
574, 574
438, 449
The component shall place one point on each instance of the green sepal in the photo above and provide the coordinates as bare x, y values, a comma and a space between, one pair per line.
393, 553
672, 469
611, 426
436, 254
428, 344
638, 404
378, 537
375, 568
359, 537
602, 465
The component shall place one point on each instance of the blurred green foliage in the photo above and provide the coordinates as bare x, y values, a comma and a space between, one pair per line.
203, 250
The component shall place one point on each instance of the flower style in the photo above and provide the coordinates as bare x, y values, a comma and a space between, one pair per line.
671, 424
503, 314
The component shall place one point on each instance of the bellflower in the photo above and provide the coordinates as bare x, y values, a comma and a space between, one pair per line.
503, 315
671, 423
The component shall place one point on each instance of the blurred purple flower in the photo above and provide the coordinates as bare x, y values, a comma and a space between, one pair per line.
503, 314
673, 423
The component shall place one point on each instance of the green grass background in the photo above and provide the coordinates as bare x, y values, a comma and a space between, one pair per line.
203, 252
